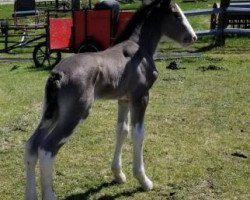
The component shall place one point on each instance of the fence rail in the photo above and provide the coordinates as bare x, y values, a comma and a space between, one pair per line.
221, 12
202, 12
223, 31
239, 10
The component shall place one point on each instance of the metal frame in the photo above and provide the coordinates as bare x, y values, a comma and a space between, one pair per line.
21, 43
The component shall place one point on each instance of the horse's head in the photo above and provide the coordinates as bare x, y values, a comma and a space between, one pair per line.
175, 24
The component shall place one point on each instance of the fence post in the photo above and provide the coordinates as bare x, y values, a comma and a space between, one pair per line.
222, 23
214, 17
57, 4
75, 4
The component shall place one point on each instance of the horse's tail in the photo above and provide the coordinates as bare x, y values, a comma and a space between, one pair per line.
51, 96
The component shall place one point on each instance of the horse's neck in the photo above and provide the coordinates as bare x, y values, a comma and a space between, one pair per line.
147, 35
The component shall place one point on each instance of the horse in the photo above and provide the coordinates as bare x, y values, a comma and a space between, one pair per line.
126, 71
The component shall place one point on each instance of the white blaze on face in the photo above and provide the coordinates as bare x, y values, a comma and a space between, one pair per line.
186, 23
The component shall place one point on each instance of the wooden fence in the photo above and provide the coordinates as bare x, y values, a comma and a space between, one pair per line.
223, 14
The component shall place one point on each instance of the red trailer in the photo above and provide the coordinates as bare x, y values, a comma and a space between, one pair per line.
84, 31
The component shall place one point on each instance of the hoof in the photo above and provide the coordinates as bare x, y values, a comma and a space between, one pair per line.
147, 186
145, 183
31, 197
121, 178
49, 196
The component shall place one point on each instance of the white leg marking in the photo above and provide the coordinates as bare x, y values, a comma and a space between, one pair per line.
46, 163
121, 134
30, 164
138, 165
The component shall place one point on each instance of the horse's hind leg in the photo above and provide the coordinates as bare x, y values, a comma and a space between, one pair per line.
31, 154
138, 108
69, 117
121, 133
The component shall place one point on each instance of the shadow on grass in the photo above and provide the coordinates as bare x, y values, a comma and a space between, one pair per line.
206, 48
35, 69
94, 190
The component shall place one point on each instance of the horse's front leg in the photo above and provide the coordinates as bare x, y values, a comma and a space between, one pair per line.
122, 130
138, 108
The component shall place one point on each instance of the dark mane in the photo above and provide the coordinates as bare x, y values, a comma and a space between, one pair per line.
137, 18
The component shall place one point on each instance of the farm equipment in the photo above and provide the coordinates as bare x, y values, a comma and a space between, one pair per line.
85, 30
59, 30
53, 5
26, 26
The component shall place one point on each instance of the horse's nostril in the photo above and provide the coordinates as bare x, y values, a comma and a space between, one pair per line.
187, 39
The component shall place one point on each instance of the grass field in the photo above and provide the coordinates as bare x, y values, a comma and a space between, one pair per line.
197, 142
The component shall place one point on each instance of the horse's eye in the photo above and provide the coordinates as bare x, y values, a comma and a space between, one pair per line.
177, 15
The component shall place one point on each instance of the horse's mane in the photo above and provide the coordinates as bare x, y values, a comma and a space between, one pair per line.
137, 18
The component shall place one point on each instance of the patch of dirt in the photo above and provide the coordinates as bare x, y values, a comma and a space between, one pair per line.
210, 68
172, 196
174, 66
239, 155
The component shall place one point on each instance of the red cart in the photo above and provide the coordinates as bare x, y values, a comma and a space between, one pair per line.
84, 31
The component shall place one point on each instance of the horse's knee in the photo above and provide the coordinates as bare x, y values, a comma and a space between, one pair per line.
125, 129
30, 156
46, 162
42, 152
35, 140
28, 148
122, 128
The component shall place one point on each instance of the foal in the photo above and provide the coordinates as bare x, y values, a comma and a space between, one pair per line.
125, 72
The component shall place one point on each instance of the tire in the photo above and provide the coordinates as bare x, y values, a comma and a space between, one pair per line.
88, 46
42, 57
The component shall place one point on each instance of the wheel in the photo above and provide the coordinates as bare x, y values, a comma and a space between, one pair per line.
88, 46
44, 58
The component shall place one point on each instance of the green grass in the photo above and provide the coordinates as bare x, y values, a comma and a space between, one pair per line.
195, 121
6, 11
